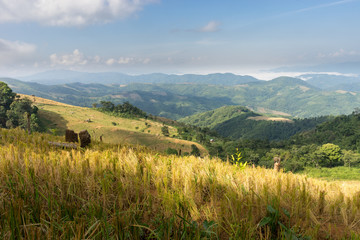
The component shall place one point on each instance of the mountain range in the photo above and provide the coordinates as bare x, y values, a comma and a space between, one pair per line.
178, 96
66, 76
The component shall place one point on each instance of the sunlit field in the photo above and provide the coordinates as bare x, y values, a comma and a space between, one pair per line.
123, 192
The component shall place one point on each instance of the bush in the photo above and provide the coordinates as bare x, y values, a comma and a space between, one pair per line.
171, 151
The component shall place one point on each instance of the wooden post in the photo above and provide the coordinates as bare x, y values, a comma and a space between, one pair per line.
28, 122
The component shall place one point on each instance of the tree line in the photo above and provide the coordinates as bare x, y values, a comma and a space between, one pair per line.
121, 110
16, 111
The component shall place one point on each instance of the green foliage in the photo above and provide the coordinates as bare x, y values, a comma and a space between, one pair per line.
342, 130
350, 158
195, 150
234, 122
236, 160
7, 96
15, 112
277, 227
171, 151
212, 118
122, 110
165, 130
329, 155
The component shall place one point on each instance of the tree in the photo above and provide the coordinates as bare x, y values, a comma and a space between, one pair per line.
7, 97
171, 151
17, 114
350, 158
107, 106
165, 131
329, 155
195, 150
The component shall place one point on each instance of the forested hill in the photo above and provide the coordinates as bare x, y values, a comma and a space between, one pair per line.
343, 130
239, 122
177, 100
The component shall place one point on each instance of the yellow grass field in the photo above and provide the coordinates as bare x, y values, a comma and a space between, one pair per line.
62, 116
119, 192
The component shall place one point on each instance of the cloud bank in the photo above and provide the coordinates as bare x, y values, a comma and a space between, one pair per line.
77, 58
16, 51
69, 12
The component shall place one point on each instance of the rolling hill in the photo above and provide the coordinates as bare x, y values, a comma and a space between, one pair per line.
239, 122
290, 96
56, 117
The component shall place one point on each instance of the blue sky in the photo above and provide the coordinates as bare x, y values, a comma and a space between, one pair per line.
176, 36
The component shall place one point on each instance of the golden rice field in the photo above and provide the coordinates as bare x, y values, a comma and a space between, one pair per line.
119, 192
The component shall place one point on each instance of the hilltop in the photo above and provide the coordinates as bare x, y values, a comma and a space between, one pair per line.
238, 122
56, 117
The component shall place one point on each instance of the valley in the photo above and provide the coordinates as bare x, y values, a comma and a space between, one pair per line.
194, 163
184, 96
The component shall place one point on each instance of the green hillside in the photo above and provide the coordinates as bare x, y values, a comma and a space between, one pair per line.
239, 122
212, 118
290, 96
343, 130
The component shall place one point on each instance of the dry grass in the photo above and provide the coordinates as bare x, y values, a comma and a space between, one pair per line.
276, 119
132, 131
117, 192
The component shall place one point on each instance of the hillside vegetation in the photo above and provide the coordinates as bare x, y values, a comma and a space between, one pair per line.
57, 117
239, 122
342, 130
121, 193
176, 100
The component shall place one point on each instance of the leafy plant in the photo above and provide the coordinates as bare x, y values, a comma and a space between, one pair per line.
277, 227
236, 159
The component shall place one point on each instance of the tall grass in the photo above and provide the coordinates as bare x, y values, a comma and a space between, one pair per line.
118, 192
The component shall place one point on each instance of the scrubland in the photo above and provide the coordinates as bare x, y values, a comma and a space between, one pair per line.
126, 192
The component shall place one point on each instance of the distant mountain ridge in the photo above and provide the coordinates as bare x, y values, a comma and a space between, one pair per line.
332, 82
66, 76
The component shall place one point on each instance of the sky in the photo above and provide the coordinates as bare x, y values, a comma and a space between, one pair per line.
176, 36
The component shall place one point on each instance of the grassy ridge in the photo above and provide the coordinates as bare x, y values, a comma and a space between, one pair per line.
114, 130
120, 192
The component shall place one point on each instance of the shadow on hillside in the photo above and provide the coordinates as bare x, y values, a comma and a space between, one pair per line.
52, 122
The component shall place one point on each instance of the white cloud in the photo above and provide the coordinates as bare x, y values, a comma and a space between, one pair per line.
11, 52
74, 58
341, 53
77, 58
110, 61
69, 12
212, 26
125, 60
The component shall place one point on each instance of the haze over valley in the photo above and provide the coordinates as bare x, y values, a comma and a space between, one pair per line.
167, 119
